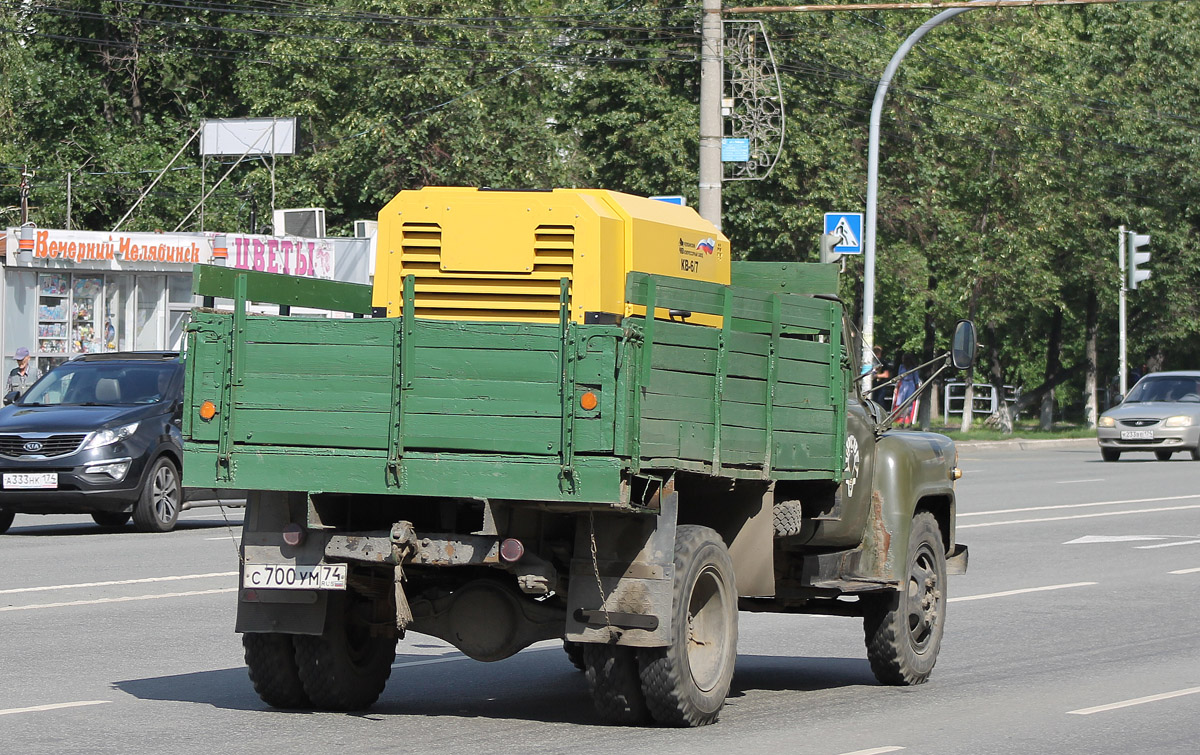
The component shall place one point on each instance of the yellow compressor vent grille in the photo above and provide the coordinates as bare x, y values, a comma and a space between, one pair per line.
447, 291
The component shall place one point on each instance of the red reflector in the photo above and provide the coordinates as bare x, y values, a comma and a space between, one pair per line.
293, 534
512, 549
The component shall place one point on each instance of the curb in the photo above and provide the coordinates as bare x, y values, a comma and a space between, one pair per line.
1030, 445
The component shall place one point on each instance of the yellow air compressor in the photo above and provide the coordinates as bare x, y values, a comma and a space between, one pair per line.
481, 254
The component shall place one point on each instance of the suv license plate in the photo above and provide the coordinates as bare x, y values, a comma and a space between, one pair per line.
1137, 435
27, 481
295, 576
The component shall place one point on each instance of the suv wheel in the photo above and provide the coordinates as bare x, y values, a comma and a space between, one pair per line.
158, 508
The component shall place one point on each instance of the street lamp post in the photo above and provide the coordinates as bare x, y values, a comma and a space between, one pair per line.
868, 330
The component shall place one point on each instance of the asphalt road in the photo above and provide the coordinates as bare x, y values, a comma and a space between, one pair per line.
1076, 630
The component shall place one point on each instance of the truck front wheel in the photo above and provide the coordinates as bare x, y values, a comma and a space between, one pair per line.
904, 628
686, 683
271, 660
346, 667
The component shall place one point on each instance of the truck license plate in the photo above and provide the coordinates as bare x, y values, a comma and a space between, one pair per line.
295, 576
1137, 435
27, 481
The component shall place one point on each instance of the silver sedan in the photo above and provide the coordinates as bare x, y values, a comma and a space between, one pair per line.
1160, 414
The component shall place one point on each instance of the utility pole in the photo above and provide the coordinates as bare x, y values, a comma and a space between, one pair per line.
712, 36
23, 188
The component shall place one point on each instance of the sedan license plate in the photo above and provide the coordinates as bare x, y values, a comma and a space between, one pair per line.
31, 480
295, 576
1137, 435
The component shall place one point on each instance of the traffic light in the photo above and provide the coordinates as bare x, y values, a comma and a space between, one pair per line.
828, 242
1136, 258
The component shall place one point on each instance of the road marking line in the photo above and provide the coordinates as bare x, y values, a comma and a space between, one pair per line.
1076, 505
1072, 482
120, 582
1080, 516
1168, 545
874, 751
554, 645
1090, 539
1135, 701
54, 706
226, 537
1186, 571
126, 599
1018, 592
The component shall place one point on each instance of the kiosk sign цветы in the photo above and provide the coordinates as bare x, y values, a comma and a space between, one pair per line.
307, 258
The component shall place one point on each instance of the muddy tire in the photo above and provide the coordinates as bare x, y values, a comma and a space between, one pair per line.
1110, 454
346, 667
158, 508
271, 660
789, 518
574, 651
904, 628
612, 676
110, 520
686, 683
6, 520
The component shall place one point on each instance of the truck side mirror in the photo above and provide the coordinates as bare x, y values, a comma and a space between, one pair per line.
963, 345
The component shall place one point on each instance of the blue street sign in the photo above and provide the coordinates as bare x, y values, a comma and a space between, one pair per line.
735, 150
848, 225
672, 199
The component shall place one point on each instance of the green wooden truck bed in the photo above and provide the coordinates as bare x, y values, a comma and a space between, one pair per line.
497, 410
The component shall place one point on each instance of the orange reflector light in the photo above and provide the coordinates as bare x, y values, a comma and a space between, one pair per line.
588, 401
208, 410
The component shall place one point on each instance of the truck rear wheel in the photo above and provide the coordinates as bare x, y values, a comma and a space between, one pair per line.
271, 660
612, 675
686, 683
346, 667
904, 628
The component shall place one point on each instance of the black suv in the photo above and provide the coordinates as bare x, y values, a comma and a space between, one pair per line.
97, 435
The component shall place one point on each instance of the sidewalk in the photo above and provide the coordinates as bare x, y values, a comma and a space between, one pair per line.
1029, 445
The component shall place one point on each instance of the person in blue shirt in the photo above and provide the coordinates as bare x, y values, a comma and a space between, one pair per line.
905, 388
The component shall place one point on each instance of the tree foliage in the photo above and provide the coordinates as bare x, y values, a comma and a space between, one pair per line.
1014, 141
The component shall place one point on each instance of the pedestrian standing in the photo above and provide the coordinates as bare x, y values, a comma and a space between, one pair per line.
905, 388
20, 378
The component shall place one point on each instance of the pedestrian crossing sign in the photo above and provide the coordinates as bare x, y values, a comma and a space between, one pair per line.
848, 225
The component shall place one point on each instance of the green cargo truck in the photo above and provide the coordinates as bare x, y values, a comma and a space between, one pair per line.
624, 482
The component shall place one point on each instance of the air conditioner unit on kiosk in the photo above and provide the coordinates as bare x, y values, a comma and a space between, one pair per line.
308, 222
365, 229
